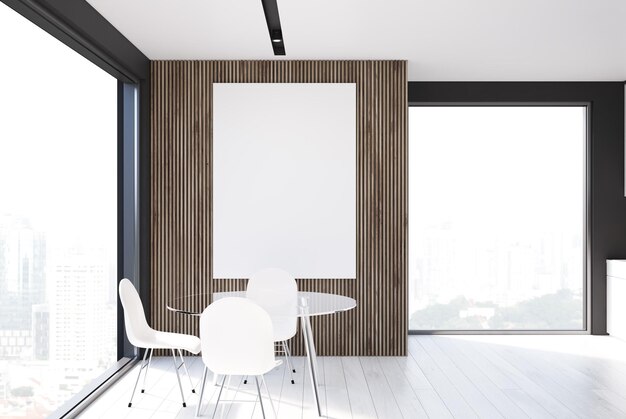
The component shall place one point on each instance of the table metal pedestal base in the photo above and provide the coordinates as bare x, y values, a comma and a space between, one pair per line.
309, 344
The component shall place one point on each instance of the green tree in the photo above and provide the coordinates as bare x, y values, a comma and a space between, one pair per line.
561, 310
444, 317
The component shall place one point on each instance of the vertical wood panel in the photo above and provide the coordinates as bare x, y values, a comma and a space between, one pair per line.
181, 196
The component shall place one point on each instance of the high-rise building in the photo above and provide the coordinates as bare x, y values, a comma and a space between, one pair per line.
41, 332
22, 271
79, 344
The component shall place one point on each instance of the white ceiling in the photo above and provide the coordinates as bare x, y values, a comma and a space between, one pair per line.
441, 39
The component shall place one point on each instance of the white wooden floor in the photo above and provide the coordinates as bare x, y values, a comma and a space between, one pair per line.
443, 377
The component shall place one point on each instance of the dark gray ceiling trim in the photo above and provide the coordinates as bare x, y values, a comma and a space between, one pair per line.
606, 206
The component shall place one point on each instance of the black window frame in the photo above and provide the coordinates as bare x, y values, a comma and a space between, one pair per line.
605, 221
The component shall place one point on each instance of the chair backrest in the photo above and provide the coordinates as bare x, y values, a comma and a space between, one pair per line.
137, 328
237, 337
276, 291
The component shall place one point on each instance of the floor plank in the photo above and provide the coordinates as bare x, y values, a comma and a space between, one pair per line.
498, 399
408, 402
552, 405
361, 400
336, 389
428, 397
579, 398
382, 395
472, 395
527, 403
442, 377
450, 395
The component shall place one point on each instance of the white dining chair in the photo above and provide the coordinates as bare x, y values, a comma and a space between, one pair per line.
141, 335
276, 291
237, 339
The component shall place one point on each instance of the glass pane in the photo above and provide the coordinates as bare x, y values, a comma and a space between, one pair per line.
58, 158
496, 217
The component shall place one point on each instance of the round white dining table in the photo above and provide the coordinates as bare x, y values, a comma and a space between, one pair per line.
309, 304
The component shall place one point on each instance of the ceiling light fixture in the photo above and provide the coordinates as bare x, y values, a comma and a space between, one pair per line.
270, 8
277, 35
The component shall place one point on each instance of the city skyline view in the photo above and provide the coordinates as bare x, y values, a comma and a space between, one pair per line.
58, 221
492, 252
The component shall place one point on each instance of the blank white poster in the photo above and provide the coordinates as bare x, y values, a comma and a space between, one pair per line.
284, 179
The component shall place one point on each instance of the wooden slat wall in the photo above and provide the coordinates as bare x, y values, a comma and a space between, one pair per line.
181, 196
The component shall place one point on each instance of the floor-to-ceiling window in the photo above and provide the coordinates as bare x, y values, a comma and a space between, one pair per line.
58, 220
497, 217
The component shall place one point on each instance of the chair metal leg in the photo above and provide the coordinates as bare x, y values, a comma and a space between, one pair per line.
288, 353
145, 375
218, 397
193, 390
130, 403
180, 386
258, 389
206, 371
287, 358
269, 395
